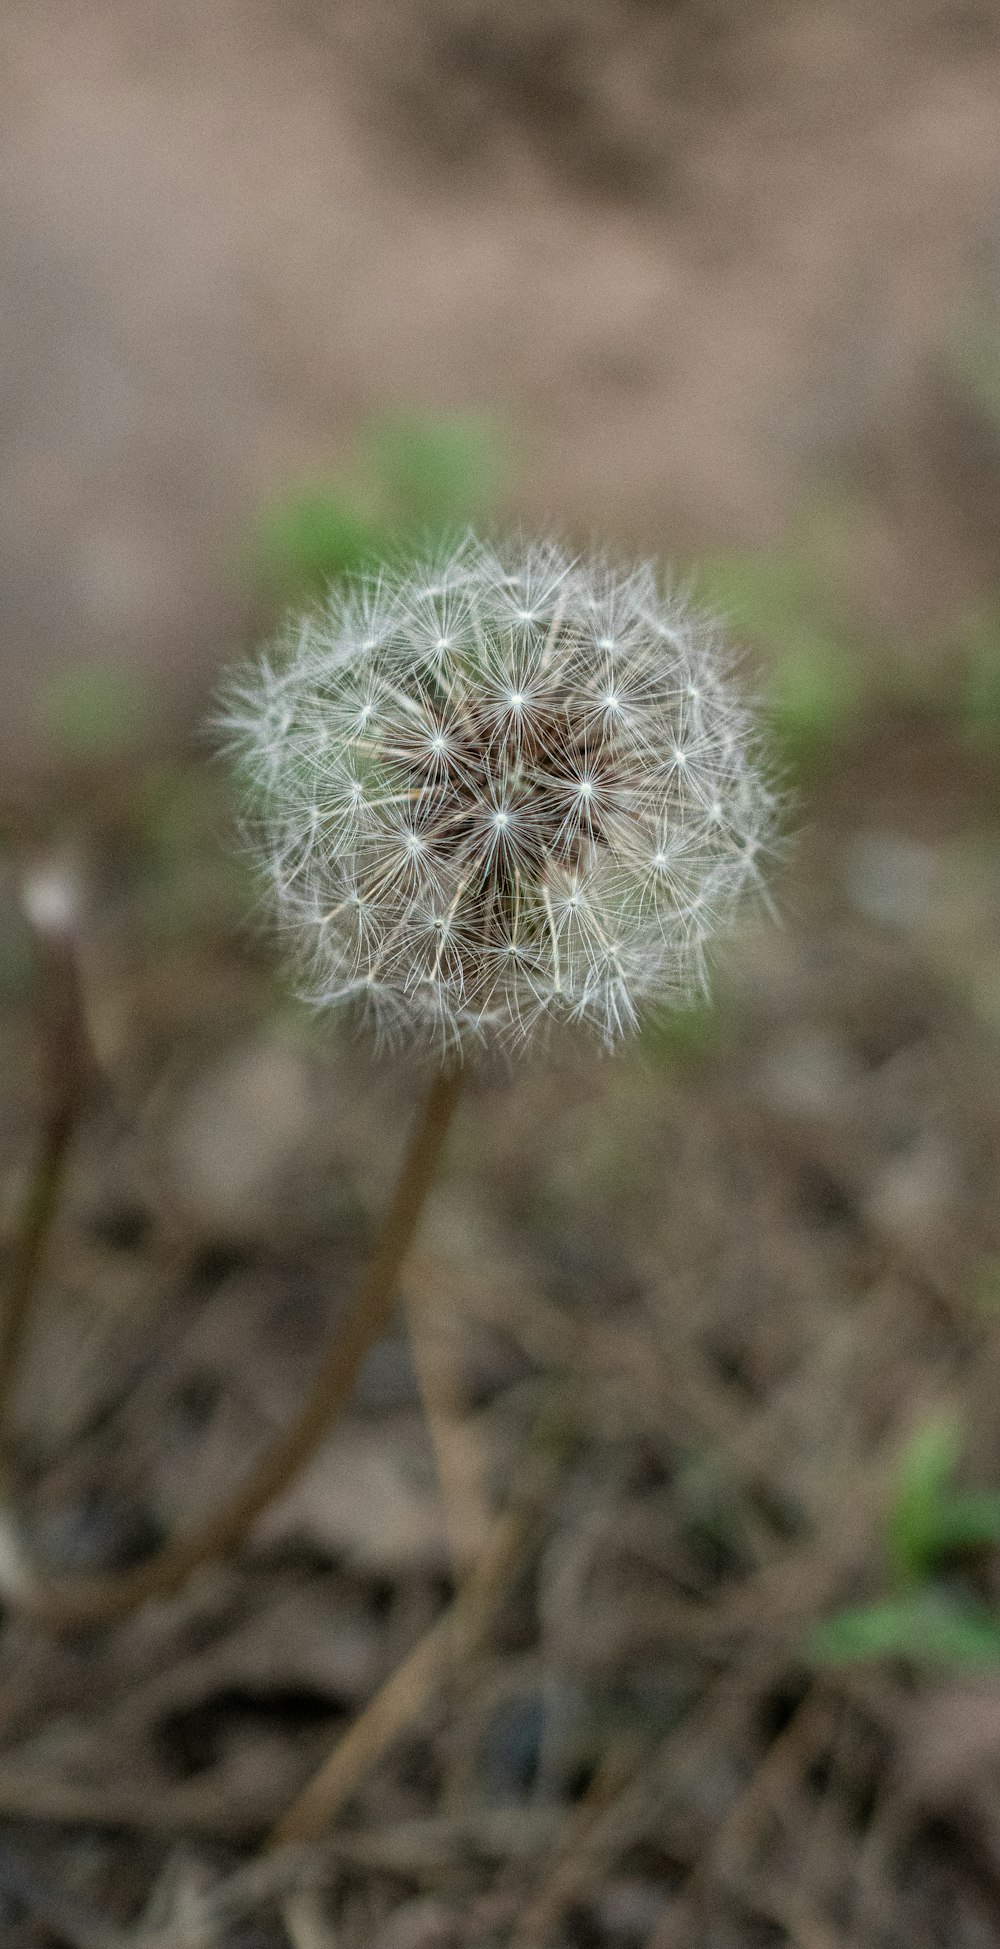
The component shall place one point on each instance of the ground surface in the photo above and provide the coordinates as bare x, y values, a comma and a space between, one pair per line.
709, 267
735, 1278
705, 262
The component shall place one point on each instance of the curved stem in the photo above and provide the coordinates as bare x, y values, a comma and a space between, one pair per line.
102, 1599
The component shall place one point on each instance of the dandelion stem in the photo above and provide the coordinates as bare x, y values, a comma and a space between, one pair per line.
102, 1599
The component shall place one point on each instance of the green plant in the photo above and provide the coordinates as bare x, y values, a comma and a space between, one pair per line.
977, 640
93, 711
414, 477
494, 791
679, 1036
930, 1616
786, 602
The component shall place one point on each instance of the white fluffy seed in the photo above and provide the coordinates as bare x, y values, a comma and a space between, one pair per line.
483, 800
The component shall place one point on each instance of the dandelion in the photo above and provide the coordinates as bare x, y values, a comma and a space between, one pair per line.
500, 791
492, 794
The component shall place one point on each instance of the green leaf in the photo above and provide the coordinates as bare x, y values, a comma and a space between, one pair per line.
925, 1626
968, 1521
682, 1033
914, 1524
814, 693
417, 477
310, 535
782, 602
984, 1293
979, 701
435, 473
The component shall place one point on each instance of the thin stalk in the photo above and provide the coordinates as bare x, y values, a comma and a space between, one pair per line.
433, 1336
67, 1066
458, 1633
29, 1245
103, 1599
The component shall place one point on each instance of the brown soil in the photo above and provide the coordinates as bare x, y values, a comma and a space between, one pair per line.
708, 262
705, 262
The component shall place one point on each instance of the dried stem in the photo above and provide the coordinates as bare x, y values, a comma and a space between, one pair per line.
102, 1599
67, 1066
433, 1338
404, 1696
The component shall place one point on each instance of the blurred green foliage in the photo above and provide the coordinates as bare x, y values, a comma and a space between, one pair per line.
821, 675
985, 1289
977, 641
928, 1626
787, 603
930, 1520
681, 1034
929, 1617
415, 478
311, 535
437, 474
93, 711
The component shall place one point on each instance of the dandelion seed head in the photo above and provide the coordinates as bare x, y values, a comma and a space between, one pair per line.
504, 789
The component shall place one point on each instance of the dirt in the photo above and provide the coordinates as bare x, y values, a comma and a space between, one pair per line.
689, 1309
704, 265
738, 1274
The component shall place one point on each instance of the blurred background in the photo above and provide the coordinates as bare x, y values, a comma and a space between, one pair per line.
282, 288
705, 267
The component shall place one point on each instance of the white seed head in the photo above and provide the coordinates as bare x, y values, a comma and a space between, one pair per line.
499, 790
